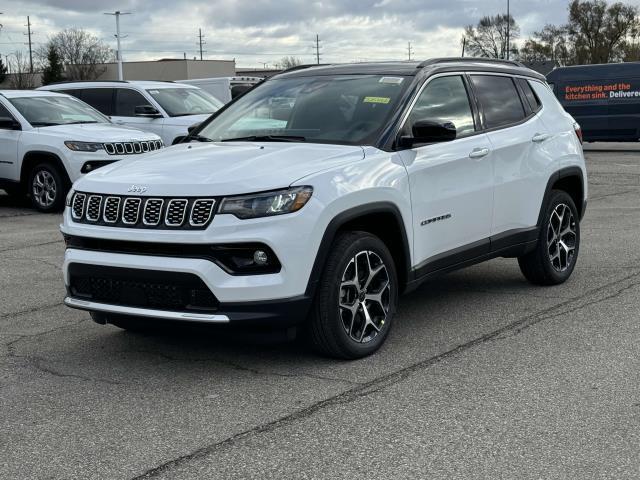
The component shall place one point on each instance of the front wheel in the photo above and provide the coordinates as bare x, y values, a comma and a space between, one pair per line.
556, 253
47, 188
356, 298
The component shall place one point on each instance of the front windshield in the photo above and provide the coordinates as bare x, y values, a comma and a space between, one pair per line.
178, 102
48, 111
342, 109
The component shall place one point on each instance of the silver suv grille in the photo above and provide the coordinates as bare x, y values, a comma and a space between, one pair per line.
141, 212
132, 148
94, 208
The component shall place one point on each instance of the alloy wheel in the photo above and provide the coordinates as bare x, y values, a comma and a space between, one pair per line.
44, 188
561, 237
365, 296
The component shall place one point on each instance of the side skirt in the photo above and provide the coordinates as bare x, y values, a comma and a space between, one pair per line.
512, 243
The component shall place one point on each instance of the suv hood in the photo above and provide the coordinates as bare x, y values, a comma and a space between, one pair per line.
97, 132
218, 168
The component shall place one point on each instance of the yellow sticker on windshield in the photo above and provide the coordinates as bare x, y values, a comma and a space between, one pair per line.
383, 100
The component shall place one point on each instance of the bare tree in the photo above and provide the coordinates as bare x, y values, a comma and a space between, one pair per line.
600, 32
82, 53
21, 78
489, 37
550, 43
289, 62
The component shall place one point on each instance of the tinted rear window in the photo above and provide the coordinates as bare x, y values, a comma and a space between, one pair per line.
99, 98
530, 95
499, 99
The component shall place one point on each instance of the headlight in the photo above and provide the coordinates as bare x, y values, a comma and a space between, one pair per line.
69, 198
267, 204
83, 146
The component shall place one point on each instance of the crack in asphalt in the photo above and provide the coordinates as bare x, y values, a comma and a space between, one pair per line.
380, 383
244, 368
606, 195
22, 247
31, 310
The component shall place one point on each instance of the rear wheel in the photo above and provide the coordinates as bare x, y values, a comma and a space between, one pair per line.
47, 187
555, 256
356, 298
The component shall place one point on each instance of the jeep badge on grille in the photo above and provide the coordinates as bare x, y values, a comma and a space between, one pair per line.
137, 189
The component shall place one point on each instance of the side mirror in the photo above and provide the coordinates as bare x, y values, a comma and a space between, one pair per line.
147, 111
191, 128
9, 124
430, 131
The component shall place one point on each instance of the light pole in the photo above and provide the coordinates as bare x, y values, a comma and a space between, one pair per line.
117, 14
508, 28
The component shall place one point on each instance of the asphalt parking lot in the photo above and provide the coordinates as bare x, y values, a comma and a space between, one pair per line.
484, 375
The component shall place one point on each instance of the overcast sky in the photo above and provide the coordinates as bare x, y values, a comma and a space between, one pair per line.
263, 31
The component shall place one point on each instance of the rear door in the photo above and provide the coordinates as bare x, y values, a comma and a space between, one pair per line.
99, 98
520, 162
451, 182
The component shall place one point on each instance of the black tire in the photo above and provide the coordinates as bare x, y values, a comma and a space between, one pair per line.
538, 267
47, 195
329, 322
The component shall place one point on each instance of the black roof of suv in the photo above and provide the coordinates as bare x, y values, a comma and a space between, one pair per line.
408, 68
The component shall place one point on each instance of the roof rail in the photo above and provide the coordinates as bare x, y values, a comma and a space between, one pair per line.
500, 61
302, 67
87, 81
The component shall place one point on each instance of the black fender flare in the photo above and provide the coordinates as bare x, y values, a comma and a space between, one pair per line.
342, 219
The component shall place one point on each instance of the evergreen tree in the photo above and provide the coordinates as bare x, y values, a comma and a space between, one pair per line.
53, 69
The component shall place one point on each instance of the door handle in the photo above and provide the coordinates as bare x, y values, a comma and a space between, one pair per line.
479, 152
540, 137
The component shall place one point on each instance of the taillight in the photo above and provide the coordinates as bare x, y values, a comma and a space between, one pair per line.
578, 130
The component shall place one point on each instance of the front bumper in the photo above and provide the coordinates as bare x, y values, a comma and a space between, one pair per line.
274, 313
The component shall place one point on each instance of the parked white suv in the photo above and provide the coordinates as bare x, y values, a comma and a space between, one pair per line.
322, 194
165, 108
48, 140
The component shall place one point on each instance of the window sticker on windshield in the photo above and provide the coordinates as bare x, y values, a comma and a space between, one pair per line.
392, 80
154, 92
383, 100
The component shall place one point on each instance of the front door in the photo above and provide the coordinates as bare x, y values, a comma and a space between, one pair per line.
126, 101
8, 148
451, 182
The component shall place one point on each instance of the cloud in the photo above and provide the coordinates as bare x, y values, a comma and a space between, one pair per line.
262, 31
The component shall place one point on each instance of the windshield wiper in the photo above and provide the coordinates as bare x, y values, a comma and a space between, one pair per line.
198, 138
267, 138
81, 122
44, 124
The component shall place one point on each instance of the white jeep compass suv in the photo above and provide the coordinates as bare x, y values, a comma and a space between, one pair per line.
165, 108
319, 196
48, 140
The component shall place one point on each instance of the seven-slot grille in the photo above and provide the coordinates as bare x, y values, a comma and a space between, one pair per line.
141, 212
132, 148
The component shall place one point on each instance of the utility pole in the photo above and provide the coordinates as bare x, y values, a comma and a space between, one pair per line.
317, 49
200, 42
464, 44
508, 28
117, 14
28, 25
409, 50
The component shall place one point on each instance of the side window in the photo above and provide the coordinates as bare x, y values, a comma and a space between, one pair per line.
99, 98
126, 102
444, 99
499, 99
530, 95
5, 115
